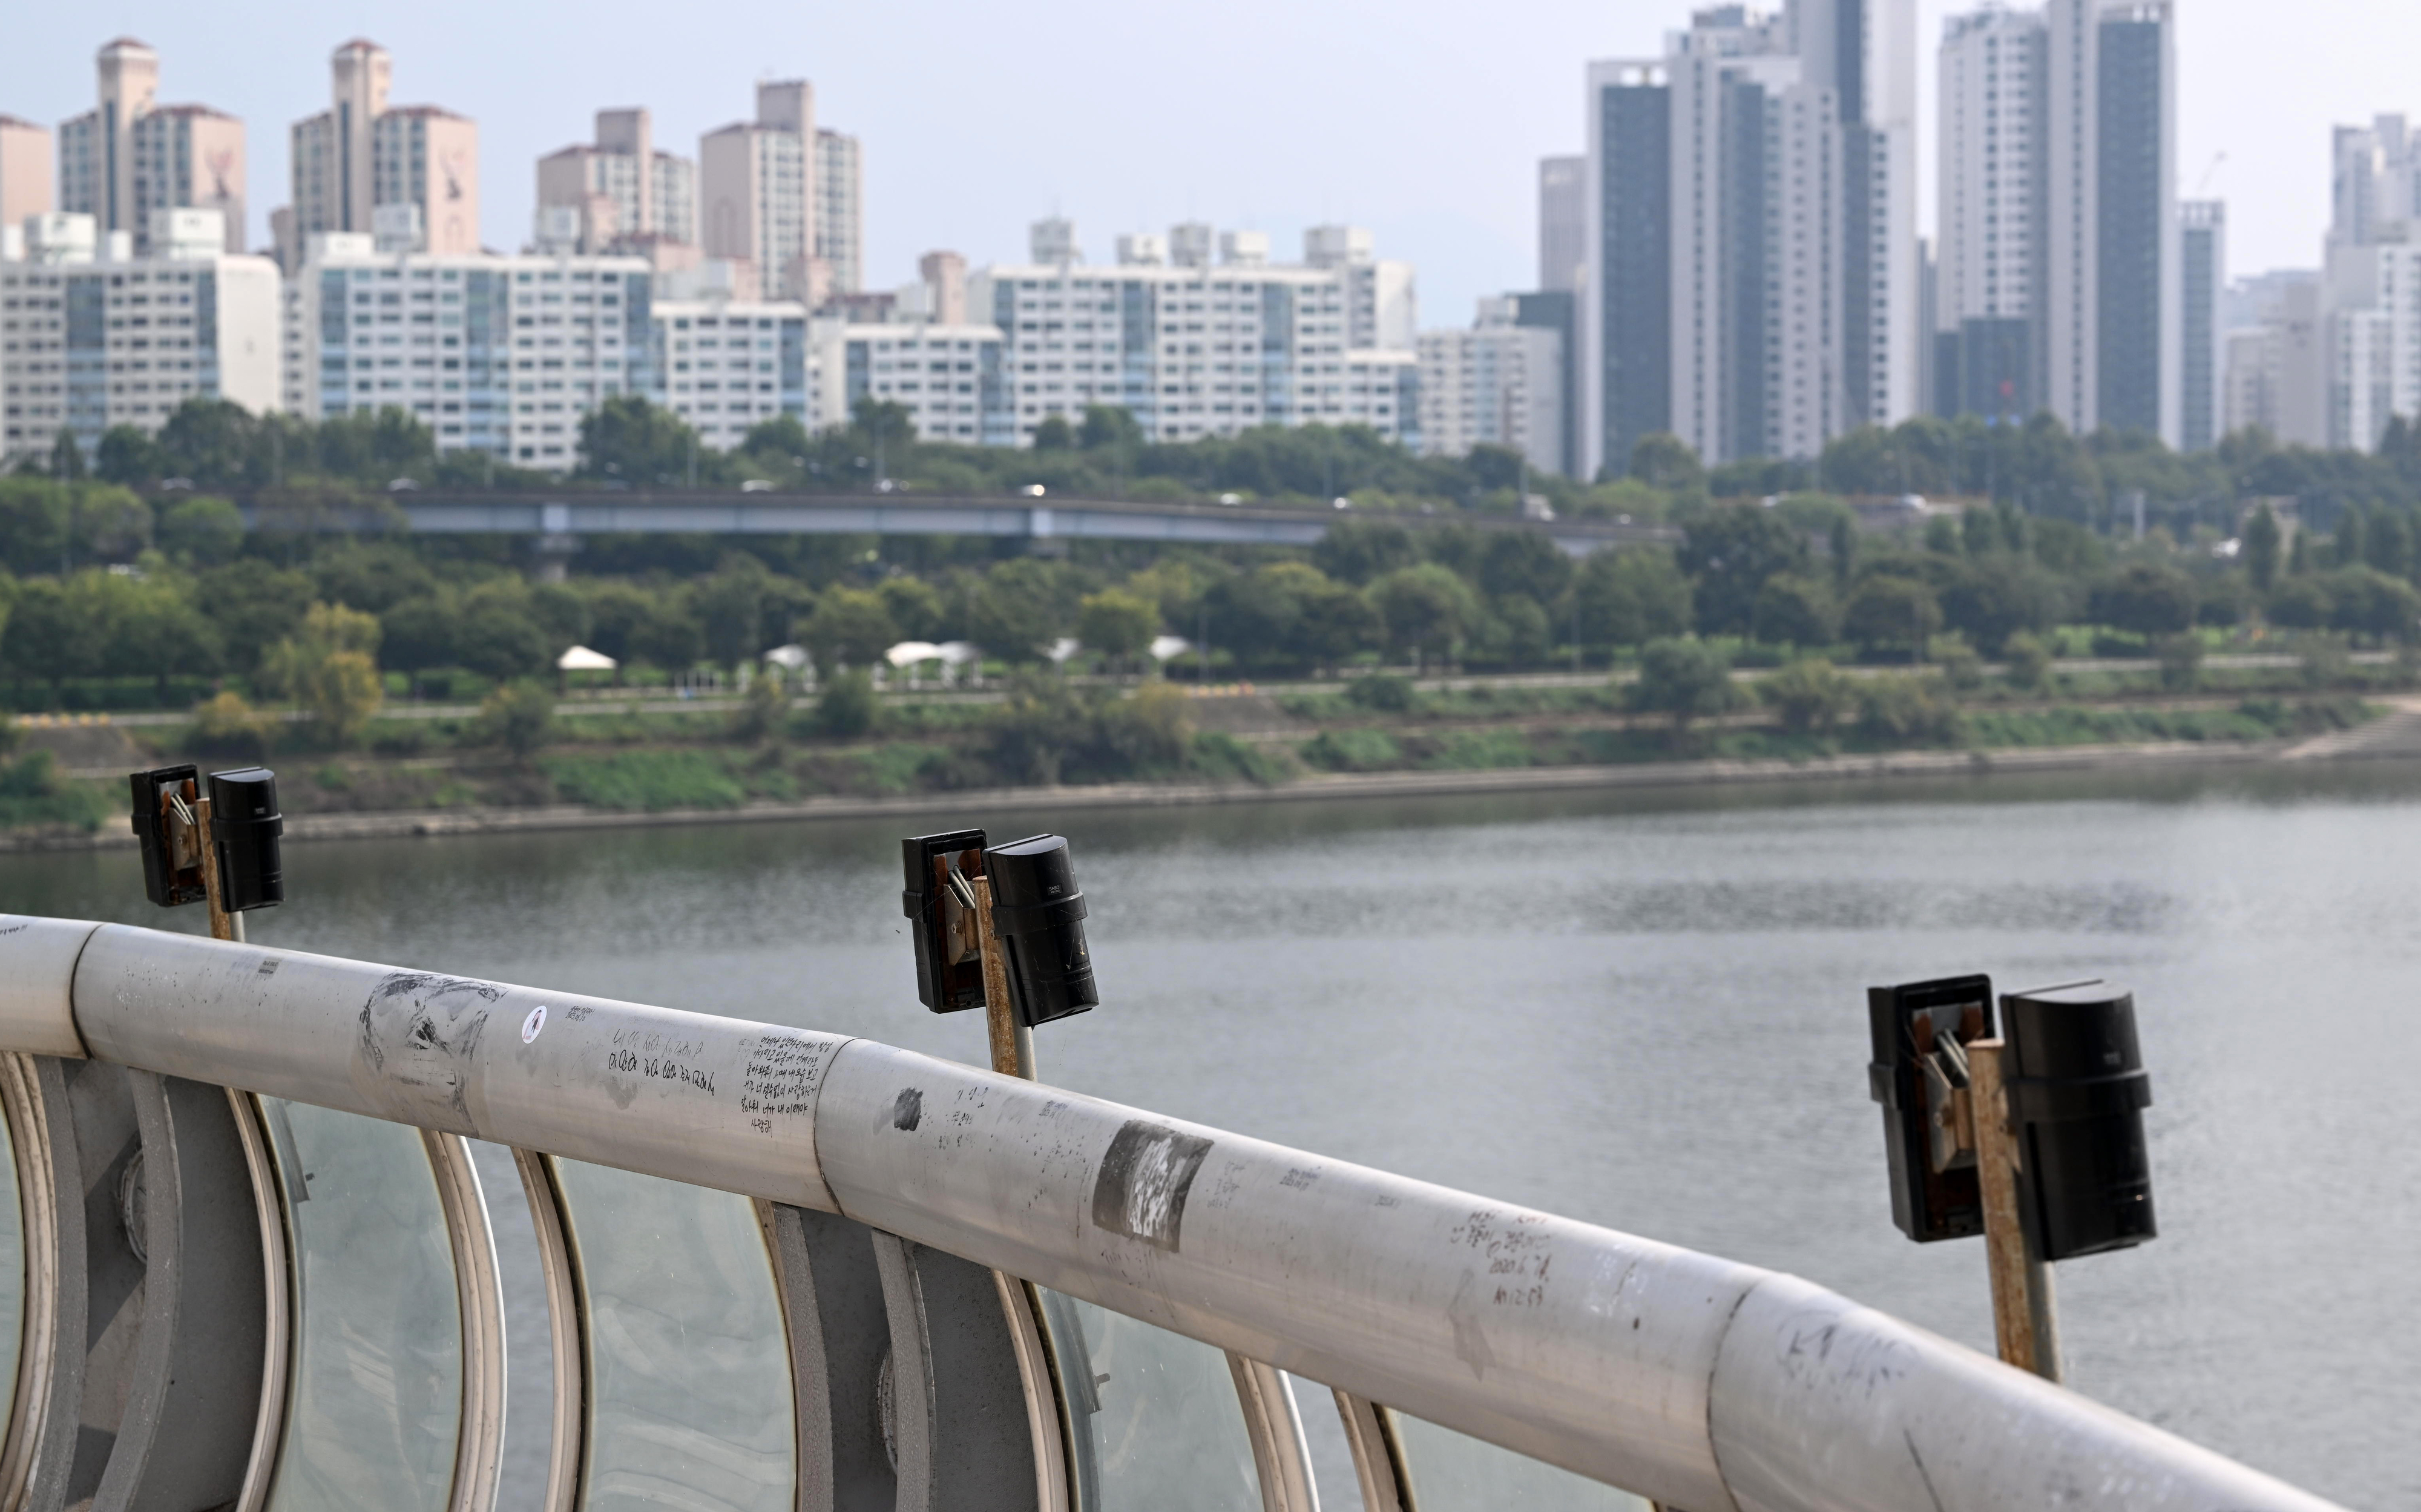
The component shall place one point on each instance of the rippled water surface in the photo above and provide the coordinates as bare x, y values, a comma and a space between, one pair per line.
1646, 1012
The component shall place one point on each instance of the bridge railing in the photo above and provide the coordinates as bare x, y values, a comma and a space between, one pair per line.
792, 1270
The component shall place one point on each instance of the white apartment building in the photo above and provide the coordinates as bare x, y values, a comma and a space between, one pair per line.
1205, 349
87, 343
840, 210
1760, 360
1990, 244
757, 189
2373, 292
952, 380
131, 155
1498, 384
493, 353
723, 365
623, 190
362, 154
2277, 358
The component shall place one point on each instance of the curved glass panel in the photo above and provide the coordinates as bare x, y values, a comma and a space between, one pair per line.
1452, 1471
12, 1273
1159, 1426
375, 1403
689, 1367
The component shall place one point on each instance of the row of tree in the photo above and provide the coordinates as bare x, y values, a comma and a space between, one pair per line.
2037, 466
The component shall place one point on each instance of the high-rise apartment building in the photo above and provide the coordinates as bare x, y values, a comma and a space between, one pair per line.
25, 184
2375, 179
624, 191
1626, 304
129, 155
1864, 53
93, 342
2277, 358
1758, 349
495, 353
1497, 384
1751, 280
1563, 222
2202, 272
417, 164
1990, 249
1209, 350
840, 210
756, 189
727, 365
2059, 280
952, 378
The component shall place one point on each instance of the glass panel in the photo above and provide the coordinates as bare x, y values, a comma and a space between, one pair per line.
376, 1400
1454, 1473
1159, 1426
12, 1273
689, 1367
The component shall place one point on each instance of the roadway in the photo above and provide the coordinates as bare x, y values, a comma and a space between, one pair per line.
563, 516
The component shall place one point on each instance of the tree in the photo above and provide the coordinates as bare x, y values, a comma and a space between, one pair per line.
914, 608
1337, 622
728, 607
1017, 608
2347, 542
1809, 696
1360, 550
2387, 544
2147, 599
203, 530
1793, 609
1254, 615
108, 524
1424, 608
1993, 598
1730, 551
127, 456
848, 706
1054, 435
1685, 678
1888, 611
850, 627
417, 635
627, 438
216, 442
33, 525
254, 607
1521, 562
1662, 459
1116, 623
1633, 594
1111, 426
2261, 548
326, 667
2369, 603
518, 716
667, 635
67, 458
496, 637
2027, 659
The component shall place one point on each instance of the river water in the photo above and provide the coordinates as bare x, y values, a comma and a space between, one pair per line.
1646, 1011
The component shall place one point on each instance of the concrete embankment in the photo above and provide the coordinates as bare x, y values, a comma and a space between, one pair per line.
2395, 734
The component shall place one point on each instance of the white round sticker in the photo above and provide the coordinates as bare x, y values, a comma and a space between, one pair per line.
536, 1021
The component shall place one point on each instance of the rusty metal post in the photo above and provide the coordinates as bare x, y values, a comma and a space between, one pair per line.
1012, 1043
2025, 1323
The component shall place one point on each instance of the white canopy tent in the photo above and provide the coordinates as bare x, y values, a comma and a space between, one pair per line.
581, 659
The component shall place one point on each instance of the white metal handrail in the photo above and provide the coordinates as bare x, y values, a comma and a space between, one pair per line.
1682, 1377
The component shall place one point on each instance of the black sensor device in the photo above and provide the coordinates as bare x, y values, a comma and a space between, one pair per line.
949, 971
2077, 1094
246, 826
1919, 1029
1039, 913
172, 875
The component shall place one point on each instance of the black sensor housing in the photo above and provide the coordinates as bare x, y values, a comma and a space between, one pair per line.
1039, 913
246, 826
949, 975
169, 880
2077, 1094
1909, 1023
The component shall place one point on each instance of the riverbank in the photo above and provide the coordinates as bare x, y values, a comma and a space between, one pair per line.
2396, 733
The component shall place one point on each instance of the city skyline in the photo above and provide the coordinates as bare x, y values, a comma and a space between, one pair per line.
1452, 190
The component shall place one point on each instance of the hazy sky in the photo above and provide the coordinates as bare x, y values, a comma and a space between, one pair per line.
1420, 119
